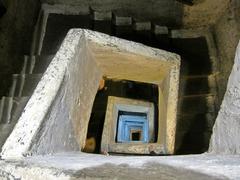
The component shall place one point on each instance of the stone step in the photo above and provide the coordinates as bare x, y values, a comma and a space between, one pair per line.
19, 104
2, 101
142, 25
24, 65
121, 18
41, 63
101, 21
142, 31
161, 37
6, 110
28, 64
122, 25
159, 29
196, 104
31, 82
24, 84
100, 15
15, 84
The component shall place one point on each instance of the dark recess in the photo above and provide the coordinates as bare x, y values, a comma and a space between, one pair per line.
3, 9
126, 89
187, 2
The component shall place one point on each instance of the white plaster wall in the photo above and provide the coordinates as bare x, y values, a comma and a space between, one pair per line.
226, 132
63, 130
56, 133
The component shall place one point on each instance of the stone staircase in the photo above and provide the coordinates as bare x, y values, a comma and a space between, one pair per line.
23, 85
197, 94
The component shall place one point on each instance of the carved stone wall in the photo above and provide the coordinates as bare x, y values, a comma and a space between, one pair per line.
167, 11
226, 131
227, 35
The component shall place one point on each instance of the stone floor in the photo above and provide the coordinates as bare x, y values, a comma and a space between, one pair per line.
93, 166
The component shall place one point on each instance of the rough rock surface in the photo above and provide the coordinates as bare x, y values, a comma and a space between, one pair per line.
227, 34
226, 131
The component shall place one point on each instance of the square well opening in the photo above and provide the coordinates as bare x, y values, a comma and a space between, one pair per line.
132, 127
132, 121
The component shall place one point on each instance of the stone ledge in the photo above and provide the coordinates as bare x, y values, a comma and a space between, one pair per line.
81, 165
